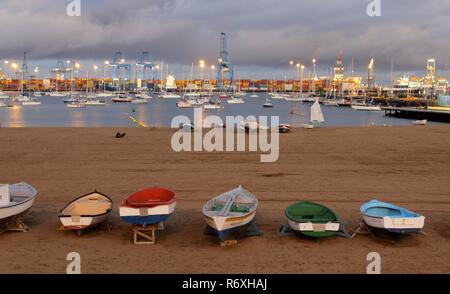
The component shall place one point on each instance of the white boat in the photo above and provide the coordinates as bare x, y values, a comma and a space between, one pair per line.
316, 115
230, 211
86, 211
193, 95
104, 95
254, 96
122, 99
15, 201
22, 98
3, 95
143, 96
235, 100
330, 103
95, 102
212, 106
170, 96
76, 104
365, 107
280, 96
184, 104
139, 101
2, 104
294, 99
57, 94
392, 218
31, 102
420, 122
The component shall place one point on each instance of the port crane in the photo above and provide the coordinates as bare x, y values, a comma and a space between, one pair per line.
120, 71
225, 68
144, 65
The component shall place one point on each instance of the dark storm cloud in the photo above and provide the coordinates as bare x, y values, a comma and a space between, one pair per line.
261, 32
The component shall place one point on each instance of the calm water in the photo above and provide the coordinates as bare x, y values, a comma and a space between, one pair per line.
159, 112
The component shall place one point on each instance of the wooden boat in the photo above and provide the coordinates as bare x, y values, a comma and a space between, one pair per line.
284, 128
15, 201
391, 218
230, 211
148, 207
86, 211
312, 219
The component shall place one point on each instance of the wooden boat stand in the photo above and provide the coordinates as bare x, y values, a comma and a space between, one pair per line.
106, 226
16, 225
250, 230
146, 235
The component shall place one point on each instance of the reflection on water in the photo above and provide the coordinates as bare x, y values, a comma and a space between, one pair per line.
53, 113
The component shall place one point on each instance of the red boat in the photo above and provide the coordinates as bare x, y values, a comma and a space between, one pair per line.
147, 207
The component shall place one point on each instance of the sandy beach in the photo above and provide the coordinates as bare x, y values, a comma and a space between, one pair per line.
340, 167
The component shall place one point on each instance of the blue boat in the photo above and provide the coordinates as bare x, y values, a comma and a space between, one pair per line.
391, 218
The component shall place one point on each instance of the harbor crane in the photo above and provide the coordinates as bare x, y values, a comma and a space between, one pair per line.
225, 68
143, 65
120, 71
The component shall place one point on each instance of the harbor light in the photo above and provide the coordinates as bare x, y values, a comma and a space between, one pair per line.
77, 65
107, 62
14, 66
95, 67
6, 61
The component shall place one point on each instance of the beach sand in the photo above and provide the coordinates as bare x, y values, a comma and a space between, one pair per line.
340, 167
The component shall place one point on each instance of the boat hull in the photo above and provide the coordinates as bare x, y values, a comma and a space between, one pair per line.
395, 225
8, 214
224, 226
146, 216
83, 222
318, 230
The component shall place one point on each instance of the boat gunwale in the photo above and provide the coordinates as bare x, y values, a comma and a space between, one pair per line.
87, 215
323, 221
31, 198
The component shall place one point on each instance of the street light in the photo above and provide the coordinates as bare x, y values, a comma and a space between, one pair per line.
298, 71
291, 64
302, 67
314, 77
202, 66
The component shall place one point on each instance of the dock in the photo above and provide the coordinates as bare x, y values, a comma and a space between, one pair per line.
439, 114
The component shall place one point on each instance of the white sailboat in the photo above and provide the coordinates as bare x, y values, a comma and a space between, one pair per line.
316, 115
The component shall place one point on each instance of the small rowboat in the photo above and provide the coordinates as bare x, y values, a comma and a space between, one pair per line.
230, 211
148, 207
284, 128
15, 201
391, 218
312, 219
86, 212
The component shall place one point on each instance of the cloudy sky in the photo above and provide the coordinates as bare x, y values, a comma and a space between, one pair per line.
264, 35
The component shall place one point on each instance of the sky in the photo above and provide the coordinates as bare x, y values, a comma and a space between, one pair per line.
263, 35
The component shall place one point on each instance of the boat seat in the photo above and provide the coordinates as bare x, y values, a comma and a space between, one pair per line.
88, 208
234, 208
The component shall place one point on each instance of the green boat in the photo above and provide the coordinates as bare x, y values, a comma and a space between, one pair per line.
312, 219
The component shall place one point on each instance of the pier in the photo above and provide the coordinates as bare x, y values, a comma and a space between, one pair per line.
440, 114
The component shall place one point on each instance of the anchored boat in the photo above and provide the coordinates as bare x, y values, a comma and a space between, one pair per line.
15, 201
148, 207
312, 219
230, 211
391, 218
86, 212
